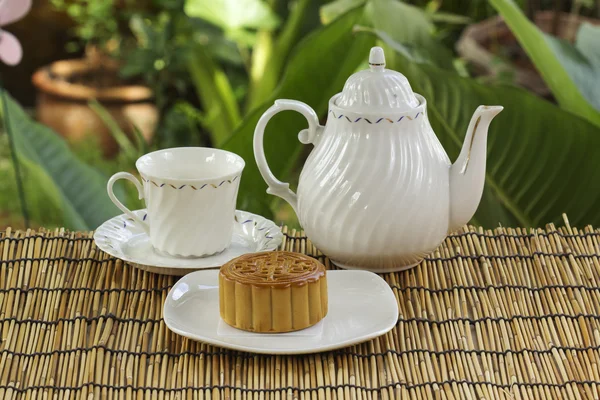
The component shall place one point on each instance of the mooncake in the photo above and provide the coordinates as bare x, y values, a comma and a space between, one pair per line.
275, 291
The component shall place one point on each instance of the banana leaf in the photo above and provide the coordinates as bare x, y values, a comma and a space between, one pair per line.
235, 17
411, 27
581, 61
331, 11
542, 160
566, 70
59, 175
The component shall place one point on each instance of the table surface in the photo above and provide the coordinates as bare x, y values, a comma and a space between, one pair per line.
505, 314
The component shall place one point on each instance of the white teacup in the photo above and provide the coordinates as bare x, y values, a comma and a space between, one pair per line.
190, 195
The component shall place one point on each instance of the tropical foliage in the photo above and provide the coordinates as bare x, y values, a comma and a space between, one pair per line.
216, 67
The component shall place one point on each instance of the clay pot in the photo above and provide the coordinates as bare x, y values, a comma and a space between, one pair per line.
65, 88
482, 45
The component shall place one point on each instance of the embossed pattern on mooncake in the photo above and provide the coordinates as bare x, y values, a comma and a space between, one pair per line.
274, 291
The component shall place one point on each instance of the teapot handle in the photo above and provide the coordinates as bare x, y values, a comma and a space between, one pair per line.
276, 187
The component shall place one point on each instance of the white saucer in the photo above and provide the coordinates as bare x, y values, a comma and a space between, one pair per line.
361, 307
123, 238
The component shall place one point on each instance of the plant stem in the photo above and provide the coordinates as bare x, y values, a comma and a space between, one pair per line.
13, 154
573, 25
216, 96
290, 31
246, 59
263, 84
262, 61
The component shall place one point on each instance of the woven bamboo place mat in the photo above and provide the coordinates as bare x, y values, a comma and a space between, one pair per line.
504, 314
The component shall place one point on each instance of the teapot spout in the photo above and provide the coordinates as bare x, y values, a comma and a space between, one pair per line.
467, 174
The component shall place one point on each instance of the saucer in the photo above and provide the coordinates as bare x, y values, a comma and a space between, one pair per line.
123, 238
362, 306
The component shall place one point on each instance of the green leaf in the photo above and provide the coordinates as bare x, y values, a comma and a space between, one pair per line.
585, 3
82, 190
580, 68
542, 160
547, 62
449, 18
214, 41
331, 11
141, 30
216, 95
44, 207
270, 55
232, 15
405, 50
410, 27
588, 42
316, 71
242, 37
125, 144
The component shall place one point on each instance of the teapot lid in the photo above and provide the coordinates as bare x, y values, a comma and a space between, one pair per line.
377, 89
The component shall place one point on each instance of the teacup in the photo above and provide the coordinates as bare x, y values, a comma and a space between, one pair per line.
190, 196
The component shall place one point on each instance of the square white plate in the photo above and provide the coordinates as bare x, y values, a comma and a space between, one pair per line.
361, 306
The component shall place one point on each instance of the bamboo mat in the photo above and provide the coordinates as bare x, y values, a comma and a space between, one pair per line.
508, 314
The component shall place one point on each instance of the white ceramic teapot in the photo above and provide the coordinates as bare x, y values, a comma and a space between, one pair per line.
378, 191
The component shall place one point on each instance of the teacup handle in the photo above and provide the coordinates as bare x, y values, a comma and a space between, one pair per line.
306, 136
113, 198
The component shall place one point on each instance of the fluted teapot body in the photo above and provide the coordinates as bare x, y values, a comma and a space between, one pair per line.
378, 191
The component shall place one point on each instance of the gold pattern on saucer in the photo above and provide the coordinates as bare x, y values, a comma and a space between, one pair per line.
276, 291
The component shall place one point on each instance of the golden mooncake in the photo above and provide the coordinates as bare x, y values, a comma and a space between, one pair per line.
275, 291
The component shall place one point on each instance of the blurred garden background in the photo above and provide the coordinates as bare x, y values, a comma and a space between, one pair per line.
102, 82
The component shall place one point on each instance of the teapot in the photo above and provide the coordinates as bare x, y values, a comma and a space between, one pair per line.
378, 192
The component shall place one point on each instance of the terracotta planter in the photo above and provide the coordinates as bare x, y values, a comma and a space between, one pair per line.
485, 44
66, 87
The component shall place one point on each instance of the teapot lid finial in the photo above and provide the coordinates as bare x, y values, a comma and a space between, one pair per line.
377, 90
376, 59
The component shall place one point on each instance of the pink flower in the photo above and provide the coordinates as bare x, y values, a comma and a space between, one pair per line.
11, 11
